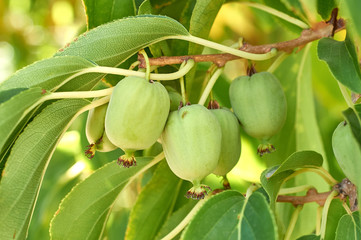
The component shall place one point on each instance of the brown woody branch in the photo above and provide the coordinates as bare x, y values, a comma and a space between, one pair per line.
318, 31
311, 196
345, 189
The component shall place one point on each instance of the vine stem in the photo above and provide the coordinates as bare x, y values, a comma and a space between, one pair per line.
297, 189
79, 94
318, 220
209, 86
147, 71
236, 52
293, 221
185, 220
348, 210
181, 82
320, 171
277, 62
277, 13
125, 72
328, 175
325, 212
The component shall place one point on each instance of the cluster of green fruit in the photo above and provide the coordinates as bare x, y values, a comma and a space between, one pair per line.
196, 140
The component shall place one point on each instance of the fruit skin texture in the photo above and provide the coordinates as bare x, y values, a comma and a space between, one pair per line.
95, 132
347, 152
192, 142
260, 105
136, 115
230, 143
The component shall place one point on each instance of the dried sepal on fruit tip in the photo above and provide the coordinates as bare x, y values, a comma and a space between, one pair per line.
90, 151
265, 148
127, 160
198, 192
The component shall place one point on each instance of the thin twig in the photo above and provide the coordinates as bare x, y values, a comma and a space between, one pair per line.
311, 196
318, 31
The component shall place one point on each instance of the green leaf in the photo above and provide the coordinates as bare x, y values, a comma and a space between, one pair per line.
349, 227
272, 178
102, 11
257, 221
342, 61
301, 159
358, 109
309, 237
27, 163
273, 184
308, 137
354, 122
335, 212
203, 16
83, 212
47, 74
153, 204
217, 218
7, 94
145, 8
228, 215
15, 109
124, 38
175, 219
324, 8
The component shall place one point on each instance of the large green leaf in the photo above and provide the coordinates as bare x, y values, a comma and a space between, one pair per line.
335, 212
342, 61
324, 8
153, 204
203, 16
354, 122
273, 178
308, 137
273, 184
102, 11
309, 237
217, 218
175, 219
123, 38
257, 221
27, 163
13, 111
358, 109
47, 74
229, 215
301, 159
83, 213
349, 227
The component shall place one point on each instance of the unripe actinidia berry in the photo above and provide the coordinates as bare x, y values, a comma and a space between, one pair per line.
260, 104
95, 132
192, 143
230, 143
136, 115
